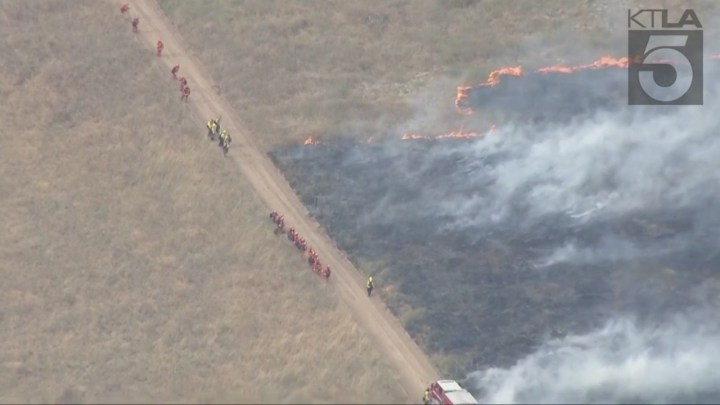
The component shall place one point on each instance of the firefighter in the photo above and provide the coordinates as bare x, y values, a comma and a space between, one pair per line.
135, 23
185, 94
225, 140
160, 47
280, 225
370, 285
426, 396
124, 9
174, 71
221, 142
212, 127
311, 256
226, 144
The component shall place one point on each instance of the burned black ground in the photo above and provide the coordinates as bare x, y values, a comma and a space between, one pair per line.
487, 293
564, 96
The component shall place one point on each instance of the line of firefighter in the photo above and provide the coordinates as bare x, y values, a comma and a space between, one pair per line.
224, 142
184, 88
313, 258
159, 47
214, 130
299, 241
213, 125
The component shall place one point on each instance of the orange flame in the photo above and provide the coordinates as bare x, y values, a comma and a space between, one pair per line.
603, 62
463, 92
495, 76
311, 140
460, 134
409, 137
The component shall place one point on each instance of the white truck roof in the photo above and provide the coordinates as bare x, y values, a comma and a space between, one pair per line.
455, 393
461, 397
449, 385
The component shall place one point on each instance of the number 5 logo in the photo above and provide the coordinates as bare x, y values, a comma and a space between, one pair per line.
660, 50
670, 71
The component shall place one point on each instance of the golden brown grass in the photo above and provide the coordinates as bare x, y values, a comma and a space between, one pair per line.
329, 67
293, 68
137, 264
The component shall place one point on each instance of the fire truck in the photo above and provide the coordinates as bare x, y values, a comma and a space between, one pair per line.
449, 392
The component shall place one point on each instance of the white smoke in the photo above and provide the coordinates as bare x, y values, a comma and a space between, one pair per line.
604, 166
612, 249
613, 163
609, 250
678, 361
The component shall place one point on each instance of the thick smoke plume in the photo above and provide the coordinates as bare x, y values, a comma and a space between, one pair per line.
674, 362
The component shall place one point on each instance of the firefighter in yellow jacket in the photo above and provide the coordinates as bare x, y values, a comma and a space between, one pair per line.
212, 129
370, 285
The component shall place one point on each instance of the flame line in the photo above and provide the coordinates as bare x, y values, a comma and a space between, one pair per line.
463, 92
415, 136
462, 97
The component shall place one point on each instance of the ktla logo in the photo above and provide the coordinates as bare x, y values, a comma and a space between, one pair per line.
666, 58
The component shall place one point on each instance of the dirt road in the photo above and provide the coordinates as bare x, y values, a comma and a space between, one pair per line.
412, 365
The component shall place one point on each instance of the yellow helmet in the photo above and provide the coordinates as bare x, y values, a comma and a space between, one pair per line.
370, 279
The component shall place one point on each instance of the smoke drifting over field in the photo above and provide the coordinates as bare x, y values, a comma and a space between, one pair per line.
501, 242
663, 167
676, 362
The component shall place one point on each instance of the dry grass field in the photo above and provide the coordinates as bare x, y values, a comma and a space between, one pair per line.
328, 68
137, 264
337, 68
